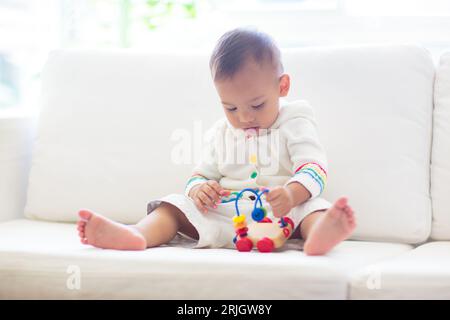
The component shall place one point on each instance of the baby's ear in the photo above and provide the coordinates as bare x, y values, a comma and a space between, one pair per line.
285, 84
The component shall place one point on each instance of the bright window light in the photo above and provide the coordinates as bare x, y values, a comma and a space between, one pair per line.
29, 29
418, 8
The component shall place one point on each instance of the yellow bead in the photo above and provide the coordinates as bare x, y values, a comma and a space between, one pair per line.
239, 222
239, 219
253, 159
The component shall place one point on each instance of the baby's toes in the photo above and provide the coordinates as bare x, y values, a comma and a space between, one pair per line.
349, 214
84, 215
81, 224
348, 211
82, 234
351, 222
351, 218
341, 203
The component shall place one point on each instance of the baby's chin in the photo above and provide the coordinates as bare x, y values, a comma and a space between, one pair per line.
256, 128
253, 131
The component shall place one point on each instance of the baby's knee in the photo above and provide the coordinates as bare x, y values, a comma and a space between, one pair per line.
169, 211
183, 223
169, 208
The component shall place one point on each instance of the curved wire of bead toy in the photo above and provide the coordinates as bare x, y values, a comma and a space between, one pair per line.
258, 213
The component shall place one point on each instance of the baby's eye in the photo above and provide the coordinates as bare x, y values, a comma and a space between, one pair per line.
258, 106
231, 109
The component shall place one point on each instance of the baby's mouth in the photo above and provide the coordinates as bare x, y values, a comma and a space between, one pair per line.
251, 131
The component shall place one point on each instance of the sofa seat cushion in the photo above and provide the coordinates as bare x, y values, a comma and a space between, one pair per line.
422, 273
45, 260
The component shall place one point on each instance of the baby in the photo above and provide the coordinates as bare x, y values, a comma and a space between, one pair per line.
249, 78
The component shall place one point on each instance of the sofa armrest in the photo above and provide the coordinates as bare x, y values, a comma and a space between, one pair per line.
16, 140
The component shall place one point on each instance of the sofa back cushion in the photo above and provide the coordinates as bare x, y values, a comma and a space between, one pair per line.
112, 124
374, 107
109, 126
440, 161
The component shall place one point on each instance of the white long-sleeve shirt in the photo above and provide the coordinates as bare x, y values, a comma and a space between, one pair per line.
288, 151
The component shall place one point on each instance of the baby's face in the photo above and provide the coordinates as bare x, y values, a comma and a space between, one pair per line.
251, 97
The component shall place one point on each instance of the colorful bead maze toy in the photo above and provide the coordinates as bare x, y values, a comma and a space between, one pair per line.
263, 233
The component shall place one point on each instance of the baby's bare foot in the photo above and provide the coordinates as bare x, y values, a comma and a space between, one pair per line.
336, 225
102, 232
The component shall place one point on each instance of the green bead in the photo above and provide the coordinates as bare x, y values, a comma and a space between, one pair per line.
254, 174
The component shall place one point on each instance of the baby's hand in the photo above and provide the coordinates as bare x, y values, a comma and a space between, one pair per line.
207, 194
280, 199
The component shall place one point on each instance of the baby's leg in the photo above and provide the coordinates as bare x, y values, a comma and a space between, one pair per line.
155, 229
322, 230
161, 226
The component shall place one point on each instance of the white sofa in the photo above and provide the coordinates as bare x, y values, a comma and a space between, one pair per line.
108, 138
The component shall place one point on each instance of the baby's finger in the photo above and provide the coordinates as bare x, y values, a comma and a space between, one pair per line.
278, 213
212, 193
275, 204
278, 210
273, 195
275, 213
206, 199
215, 185
200, 205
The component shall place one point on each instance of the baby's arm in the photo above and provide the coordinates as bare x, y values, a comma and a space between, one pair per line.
298, 193
306, 153
309, 164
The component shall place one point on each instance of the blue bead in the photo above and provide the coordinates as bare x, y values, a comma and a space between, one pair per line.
283, 223
258, 214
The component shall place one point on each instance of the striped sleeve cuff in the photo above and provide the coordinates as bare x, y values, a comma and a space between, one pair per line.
194, 180
312, 176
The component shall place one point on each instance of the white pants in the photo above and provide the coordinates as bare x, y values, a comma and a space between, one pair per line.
215, 228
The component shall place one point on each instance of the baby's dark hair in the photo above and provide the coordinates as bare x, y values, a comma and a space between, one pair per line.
236, 46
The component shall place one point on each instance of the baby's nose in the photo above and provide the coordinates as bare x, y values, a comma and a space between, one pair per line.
246, 117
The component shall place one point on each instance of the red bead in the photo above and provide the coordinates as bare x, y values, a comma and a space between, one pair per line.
265, 220
244, 245
288, 220
241, 231
265, 245
286, 232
